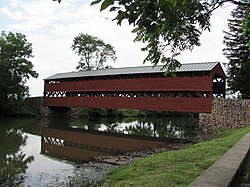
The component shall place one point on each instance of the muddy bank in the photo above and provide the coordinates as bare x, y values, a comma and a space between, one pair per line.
94, 172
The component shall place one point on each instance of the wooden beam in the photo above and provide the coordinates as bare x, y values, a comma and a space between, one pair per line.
139, 103
144, 84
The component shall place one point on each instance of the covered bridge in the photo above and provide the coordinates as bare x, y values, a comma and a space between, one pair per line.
142, 88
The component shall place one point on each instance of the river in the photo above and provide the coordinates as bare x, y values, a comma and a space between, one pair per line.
55, 152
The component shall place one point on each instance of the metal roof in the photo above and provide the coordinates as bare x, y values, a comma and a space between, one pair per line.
191, 67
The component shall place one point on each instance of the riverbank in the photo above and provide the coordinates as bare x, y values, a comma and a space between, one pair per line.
95, 171
175, 168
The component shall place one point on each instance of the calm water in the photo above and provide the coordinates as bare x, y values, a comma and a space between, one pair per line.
45, 152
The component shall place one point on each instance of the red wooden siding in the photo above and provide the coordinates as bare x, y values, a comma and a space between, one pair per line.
218, 70
139, 103
144, 84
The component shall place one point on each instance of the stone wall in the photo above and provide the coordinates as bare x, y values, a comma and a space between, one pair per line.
226, 113
36, 105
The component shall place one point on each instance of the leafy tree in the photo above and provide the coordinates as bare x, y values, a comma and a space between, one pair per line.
15, 70
166, 25
238, 51
93, 51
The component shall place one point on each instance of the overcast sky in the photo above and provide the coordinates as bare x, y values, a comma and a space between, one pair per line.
51, 28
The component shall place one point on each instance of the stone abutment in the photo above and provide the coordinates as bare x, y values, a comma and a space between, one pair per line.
226, 113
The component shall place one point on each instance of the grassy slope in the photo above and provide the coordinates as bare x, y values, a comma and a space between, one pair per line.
175, 168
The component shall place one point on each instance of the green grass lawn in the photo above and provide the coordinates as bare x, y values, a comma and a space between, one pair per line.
175, 168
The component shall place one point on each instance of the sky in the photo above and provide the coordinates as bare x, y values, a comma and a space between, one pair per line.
51, 28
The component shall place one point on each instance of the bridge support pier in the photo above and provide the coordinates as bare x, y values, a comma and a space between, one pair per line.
62, 112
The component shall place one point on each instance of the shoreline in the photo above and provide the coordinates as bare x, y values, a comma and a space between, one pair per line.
95, 171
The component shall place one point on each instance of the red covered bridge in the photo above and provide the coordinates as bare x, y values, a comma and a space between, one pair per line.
142, 88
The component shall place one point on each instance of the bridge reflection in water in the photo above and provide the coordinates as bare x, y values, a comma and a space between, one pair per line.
83, 144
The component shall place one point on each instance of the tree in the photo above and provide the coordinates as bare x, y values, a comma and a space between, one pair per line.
93, 52
166, 25
15, 70
238, 51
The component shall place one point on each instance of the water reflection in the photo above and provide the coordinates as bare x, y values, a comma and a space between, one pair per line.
83, 140
185, 128
84, 145
37, 152
12, 160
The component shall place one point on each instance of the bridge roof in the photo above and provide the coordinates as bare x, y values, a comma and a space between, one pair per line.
191, 67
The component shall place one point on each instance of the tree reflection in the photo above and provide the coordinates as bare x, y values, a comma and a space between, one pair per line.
12, 160
175, 127
112, 127
140, 128
186, 128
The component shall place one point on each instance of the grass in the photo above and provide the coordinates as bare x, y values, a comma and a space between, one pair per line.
176, 168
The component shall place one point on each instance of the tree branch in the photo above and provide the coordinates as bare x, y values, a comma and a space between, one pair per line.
59, 1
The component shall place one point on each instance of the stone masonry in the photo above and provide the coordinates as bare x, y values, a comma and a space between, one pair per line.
226, 113
36, 104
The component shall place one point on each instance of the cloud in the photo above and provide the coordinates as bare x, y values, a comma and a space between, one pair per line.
14, 3
17, 15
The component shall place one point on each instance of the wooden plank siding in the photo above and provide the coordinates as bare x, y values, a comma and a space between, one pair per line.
139, 103
143, 84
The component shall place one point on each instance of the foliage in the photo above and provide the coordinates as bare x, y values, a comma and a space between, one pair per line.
15, 70
173, 128
13, 161
175, 168
95, 113
238, 51
93, 52
165, 25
